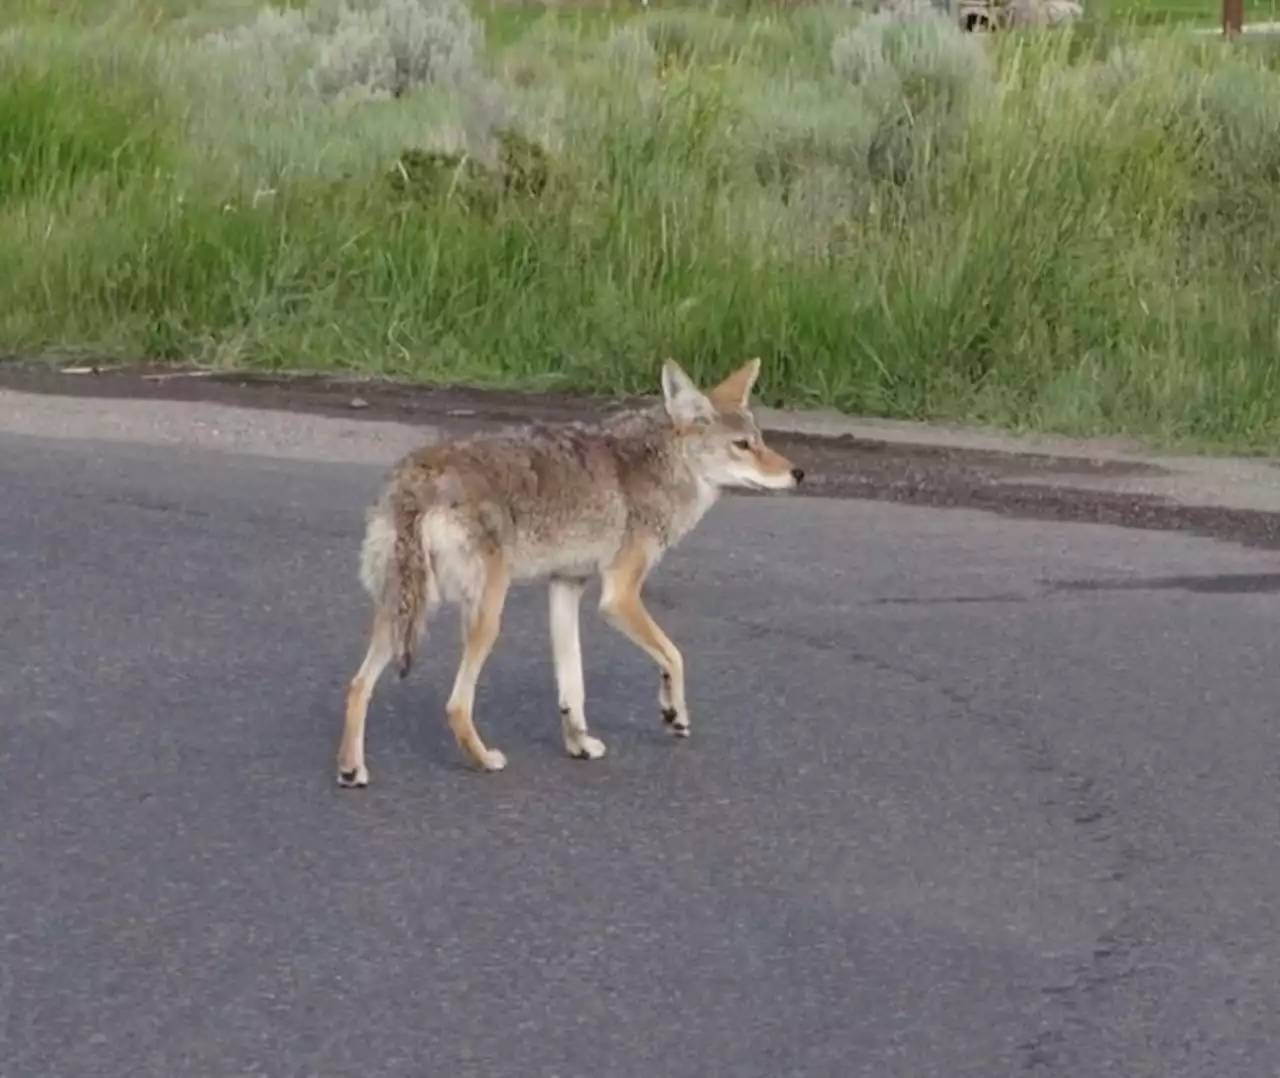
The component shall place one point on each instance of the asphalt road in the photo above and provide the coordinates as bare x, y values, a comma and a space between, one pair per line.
966, 797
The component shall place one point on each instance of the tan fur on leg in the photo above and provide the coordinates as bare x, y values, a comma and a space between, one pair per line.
565, 596
620, 602
351, 766
482, 621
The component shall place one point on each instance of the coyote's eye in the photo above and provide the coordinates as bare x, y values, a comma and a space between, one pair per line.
741, 443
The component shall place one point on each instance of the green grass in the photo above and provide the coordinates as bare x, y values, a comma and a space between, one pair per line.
1071, 231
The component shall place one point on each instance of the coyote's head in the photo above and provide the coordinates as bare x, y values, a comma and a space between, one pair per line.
719, 437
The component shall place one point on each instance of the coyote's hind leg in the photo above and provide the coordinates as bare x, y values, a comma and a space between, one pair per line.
351, 766
481, 623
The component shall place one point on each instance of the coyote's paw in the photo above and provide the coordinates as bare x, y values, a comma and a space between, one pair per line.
584, 747
493, 760
355, 777
676, 723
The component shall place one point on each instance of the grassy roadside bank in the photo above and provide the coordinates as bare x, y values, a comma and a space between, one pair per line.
1070, 231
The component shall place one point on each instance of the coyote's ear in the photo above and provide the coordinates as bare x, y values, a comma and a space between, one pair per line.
736, 389
685, 401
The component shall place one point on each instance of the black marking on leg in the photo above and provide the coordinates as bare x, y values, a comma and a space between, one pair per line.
348, 777
580, 754
674, 722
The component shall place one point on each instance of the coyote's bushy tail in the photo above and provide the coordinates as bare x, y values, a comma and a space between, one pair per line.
409, 579
396, 570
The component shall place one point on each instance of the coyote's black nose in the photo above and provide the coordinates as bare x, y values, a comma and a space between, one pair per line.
797, 474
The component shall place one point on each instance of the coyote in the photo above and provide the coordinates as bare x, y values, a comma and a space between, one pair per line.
462, 520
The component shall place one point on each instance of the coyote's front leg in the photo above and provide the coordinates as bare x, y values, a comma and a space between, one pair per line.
670, 713
621, 604
566, 647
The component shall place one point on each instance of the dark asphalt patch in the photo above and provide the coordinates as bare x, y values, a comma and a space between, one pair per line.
1210, 584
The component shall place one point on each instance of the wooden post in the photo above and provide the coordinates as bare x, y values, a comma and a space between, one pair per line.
1232, 17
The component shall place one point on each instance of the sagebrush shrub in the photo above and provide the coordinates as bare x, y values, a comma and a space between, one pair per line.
264, 58
918, 54
629, 51
1240, 114
397, 46
918, 72
384, 48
